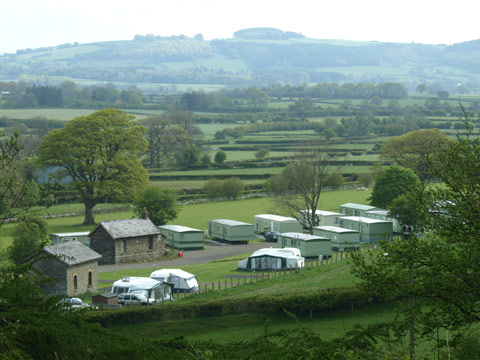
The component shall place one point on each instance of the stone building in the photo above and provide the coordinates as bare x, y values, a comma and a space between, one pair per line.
126, 241
72, 266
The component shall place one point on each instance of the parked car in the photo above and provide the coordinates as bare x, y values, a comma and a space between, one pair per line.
73, 301
133, 299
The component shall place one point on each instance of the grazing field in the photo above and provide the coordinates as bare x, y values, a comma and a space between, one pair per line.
55, 114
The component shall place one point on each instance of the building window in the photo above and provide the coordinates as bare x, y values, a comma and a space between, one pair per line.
124, 245
150, 242
75, 282
90, 276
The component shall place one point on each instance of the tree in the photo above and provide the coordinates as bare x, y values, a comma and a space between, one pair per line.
439, 271
220, 157
391, 183
98, 153
161, 204
232, 188
261, 153
414, 149
213, 188
29, 236
421, 88
306, 178
165, 140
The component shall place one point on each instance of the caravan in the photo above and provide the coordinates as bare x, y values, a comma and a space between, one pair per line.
152, 290
182, 281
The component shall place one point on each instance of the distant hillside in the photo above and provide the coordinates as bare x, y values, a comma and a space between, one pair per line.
262, 56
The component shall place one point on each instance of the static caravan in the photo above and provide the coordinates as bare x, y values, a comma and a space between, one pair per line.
269, 222
382, 214
341, 238
310, 246
230, 231
182, 237
182, 281
60, 238
322, 217
351, 209
273, 259
371, 230
152, 289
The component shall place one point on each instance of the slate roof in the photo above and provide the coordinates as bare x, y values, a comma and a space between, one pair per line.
72, 252
128, 228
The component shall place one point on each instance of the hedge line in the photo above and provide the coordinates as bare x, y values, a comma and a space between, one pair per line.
322, 301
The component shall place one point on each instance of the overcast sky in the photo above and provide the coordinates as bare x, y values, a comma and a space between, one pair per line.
37, 23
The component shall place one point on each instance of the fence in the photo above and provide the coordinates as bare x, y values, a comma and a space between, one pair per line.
95, 211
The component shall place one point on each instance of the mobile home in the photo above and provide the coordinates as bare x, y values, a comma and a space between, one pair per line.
230, 231
382, 214
370, 230
60, 238
273, 259
310, 246
352, 209
182, 281
341, 238
150, 288
182, 237
322, 217
269, 222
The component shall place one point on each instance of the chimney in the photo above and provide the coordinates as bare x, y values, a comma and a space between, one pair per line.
144, 215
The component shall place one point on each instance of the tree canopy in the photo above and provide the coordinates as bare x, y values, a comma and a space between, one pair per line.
412, 150
98, 154
392, 183
161, 204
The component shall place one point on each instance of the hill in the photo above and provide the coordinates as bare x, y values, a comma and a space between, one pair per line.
262, 56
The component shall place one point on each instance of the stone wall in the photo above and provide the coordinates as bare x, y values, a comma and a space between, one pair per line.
81, 271
137, 249
102, 243
56, 271
62, 276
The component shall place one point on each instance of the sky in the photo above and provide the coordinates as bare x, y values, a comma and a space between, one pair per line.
39, 23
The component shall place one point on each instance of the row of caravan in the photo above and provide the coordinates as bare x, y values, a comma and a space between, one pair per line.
159, 287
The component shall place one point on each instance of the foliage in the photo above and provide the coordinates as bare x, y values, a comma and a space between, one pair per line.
438, 271
391, 183
98, 153
165, 140
213, 188
414, 150
220, 157
29, 236
161, 204
232, 188
261, 153
306, 178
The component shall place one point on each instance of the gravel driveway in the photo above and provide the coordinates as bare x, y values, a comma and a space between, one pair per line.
214, 252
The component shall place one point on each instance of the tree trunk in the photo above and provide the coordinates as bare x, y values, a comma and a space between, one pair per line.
89, 220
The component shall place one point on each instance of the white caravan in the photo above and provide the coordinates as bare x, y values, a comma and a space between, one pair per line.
182, 281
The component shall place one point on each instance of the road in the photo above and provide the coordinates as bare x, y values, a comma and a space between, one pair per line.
214, 252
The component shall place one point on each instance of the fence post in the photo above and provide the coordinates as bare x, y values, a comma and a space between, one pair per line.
218, 284
231, 282
225, 284
213, 286
205, 287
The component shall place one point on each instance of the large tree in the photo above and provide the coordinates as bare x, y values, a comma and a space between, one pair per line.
414, 150
161, 204
303, 182
393, 182
165, 140
98, 153
438, 272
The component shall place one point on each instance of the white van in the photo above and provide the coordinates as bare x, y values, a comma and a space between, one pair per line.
182, 281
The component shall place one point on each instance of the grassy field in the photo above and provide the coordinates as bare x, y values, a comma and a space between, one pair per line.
244, 327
